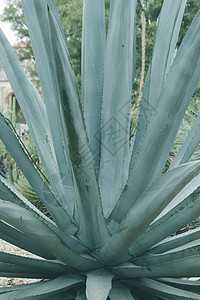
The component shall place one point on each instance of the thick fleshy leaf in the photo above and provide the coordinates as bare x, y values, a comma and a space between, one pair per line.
36, 229
192, 84
150, 204
55, 295
39, 34
173, 242
117, 88
189, 285
180, 113
28, 97
98, 284
179, 216
10, 269
93, 229
14, 288
93, 48
53, 206
58, 295
18, 271
167, 33
163, 53
17, 238
120, 292
81, 295
186, 251
71, 294
46, 288
9, 193
187, 190
153, 287
33, 265
191, 142
186, 267
179, 83
34, 111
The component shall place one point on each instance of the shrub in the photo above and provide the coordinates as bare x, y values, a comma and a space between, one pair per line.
113, 211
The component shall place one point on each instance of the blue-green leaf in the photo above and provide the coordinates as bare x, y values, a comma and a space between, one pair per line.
179, 83
186, 267
34, 111
167, 33
93, 229
117, 88
15, 237
120, 292
163, 53
46, 288
191, 142
39, 34
179, 216
181, 253
53, 206
149, 205
98, 284
10, 194
33, 265
39, 231
189, 285
93, 48
81, 295
153, 287
176, 241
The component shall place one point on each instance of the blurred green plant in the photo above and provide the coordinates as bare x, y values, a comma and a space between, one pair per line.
8, 166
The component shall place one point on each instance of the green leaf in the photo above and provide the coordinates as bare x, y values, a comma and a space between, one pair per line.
59, 295
46, 288
98, 284
39, 231
117, 87
33, 265
93, 48
162, 290
163, 53
179, 216
165, 45
179, 83
120, 292
34, 111
53, 206
180, 253
187, 190
17, 271
189, 145
189, 285
93, 229
15, 237
150, 205
9, 193
39, 34
81, 295
186, 267
192, 84
14, 288
176, 241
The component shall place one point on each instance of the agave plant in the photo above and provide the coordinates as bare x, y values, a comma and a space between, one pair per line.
113, 210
